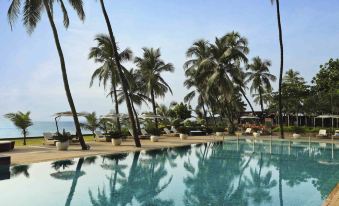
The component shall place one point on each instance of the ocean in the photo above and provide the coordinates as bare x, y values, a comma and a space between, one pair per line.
8, 130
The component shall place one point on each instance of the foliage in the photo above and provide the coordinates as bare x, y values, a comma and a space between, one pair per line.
63, 137
181, 111
92, 122
261, 78
183, 130
21, 121
218, 129
115, 134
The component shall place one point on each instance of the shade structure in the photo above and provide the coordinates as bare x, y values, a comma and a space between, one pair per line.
69, 114
66, 114
249, 117
327, 116
151, 116
112, 116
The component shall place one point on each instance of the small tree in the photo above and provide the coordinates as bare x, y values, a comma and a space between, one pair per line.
21, 121
92, 122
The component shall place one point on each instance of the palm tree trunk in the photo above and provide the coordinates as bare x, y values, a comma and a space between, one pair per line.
24, 133
116, 107
136, 118
261, 103
205, 114
247, 100
154, 108
65, 78
74, 182
121, 75
281, 69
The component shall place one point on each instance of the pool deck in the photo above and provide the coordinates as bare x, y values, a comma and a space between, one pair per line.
42, 153
333, 197
33, 154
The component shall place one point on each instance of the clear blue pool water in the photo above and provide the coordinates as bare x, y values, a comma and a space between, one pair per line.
233, 173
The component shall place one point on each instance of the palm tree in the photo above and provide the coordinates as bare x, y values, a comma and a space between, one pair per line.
32, 11
281, 66
150, 68
108, 72
92, 122
21, 121
135, 92
121, 74
261, 78
199, 51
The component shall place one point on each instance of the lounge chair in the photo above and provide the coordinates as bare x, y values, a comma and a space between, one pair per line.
99, 136
140, 136
322, 133
6, 146
248, 131
49, 140
169, 133
174, 130
336, 134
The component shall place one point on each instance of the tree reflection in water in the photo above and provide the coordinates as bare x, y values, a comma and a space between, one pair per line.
146, 178
215, 174
20, 169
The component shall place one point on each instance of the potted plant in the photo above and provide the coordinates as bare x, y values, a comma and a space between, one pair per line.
297, 131
116, 138
183, 131
219, 131
155, 134
62, 142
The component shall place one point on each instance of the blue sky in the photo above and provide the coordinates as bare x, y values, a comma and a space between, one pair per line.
30, 72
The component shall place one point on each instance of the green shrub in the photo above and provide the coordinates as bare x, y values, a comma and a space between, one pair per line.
218, 129
189, 123
183, 130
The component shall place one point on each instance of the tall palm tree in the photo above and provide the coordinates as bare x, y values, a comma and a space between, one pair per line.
92, 122
150, 67
32, 11
196, 53
21, 121
108, 72
261, 78
121, 74
135, 92
281, 66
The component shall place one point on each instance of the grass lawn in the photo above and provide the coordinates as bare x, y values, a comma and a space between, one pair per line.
40, 141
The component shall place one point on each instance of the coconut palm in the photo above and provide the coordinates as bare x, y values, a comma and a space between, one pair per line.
32, 11
261, 78
92, 122
150, 68
124, 82
281, 66
21, 121
108, 72
135, 92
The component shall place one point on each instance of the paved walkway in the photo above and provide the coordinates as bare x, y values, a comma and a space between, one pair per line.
333, 197
32, 154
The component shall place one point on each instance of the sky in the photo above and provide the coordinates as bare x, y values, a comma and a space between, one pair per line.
31, 79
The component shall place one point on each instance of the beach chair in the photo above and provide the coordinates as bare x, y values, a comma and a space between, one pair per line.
248, 131
169, 133
140, 136
174, 130
322, 133
99, 136
48, 137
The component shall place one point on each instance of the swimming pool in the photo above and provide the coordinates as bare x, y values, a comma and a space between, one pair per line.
229, 173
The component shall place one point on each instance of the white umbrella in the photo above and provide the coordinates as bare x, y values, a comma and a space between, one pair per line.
151, 116
66, 114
